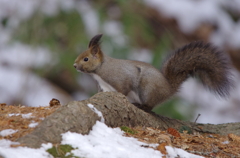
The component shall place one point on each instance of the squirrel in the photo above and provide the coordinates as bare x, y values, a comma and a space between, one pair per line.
146, 86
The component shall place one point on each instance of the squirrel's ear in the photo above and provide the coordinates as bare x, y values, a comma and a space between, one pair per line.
95, 50
95, 41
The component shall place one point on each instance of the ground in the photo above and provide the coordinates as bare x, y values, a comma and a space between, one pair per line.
21, 117
207, 145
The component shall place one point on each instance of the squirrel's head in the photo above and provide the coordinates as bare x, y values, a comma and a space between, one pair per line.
92, 58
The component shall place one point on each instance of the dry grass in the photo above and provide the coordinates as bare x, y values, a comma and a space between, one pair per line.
207, 145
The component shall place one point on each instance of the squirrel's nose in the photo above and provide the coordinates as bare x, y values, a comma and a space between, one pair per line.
75, 65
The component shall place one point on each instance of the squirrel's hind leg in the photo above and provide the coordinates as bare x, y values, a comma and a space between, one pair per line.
143, 107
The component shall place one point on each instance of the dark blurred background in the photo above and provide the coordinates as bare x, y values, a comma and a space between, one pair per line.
39, 41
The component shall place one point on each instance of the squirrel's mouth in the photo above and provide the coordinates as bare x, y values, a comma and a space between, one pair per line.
78, 68
81, 70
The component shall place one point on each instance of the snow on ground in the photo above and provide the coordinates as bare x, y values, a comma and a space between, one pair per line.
99, 113
7, 132
33, 124
26, 115
23, 115
176, 152
10, 115
101, 142
104, 142
6, 143
23, 152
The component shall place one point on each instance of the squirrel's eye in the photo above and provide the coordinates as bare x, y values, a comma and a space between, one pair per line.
85, 59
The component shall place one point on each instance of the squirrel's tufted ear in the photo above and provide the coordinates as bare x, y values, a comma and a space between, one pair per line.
95, 41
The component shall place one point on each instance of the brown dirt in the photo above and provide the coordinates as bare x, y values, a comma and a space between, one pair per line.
18, 122
207, 145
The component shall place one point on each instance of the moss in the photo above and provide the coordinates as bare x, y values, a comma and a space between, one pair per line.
128, 130
185, 128
61, 150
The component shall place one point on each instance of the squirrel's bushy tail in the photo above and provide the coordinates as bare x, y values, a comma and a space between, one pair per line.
202, 60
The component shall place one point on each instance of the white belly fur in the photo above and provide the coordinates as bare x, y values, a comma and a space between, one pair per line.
103, 85
131, 96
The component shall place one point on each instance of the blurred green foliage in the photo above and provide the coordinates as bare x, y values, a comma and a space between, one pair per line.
65, 35
170, 109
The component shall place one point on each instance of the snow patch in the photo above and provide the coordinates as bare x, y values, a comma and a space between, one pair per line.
10, 115
99, 113
33, 124
7, 132
7, 143
105, 142
23, 115
175, 152
101, 142
225, 142
26, 115
24, 152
